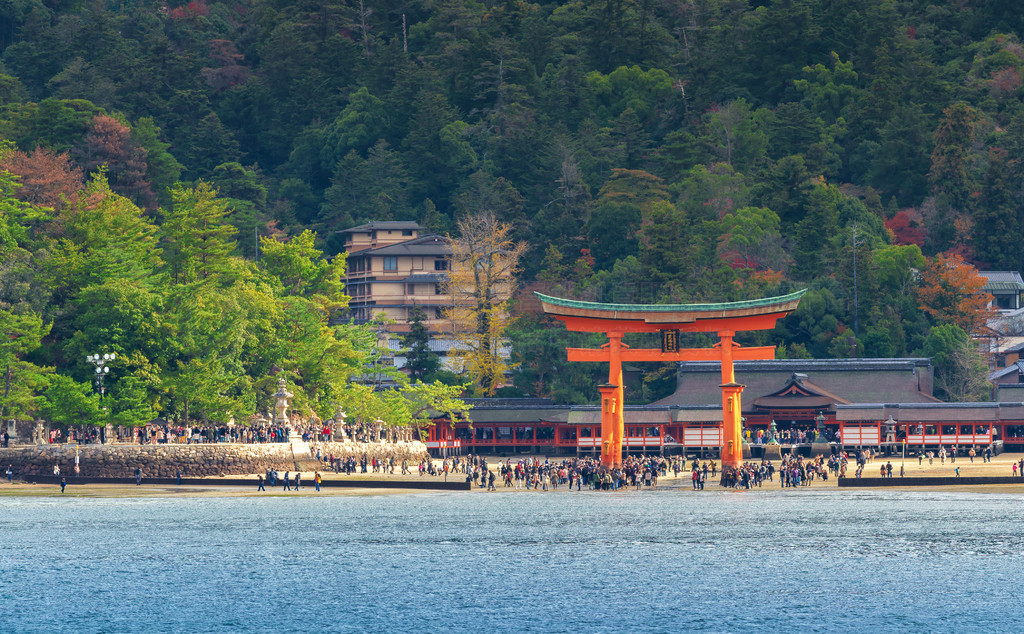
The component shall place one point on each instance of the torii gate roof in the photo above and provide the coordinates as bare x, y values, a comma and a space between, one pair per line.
751, 314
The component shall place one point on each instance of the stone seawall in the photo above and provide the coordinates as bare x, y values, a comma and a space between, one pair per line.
411, 451
198, 460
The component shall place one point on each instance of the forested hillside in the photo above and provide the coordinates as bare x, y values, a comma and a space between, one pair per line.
646, 150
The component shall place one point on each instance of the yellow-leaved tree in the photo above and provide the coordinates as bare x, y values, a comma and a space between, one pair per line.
481, 280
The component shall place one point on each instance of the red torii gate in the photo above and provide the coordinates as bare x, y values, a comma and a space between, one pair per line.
724, 319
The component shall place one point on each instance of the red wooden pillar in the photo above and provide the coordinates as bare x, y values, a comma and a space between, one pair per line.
618, 421
609, 418
732, 441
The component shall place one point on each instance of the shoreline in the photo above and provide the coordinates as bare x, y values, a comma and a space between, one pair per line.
335, 484
213, 489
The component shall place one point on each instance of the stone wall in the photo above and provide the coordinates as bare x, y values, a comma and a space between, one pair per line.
413, 451
164, 461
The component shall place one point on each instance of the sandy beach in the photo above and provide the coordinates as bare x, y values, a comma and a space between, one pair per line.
999, 466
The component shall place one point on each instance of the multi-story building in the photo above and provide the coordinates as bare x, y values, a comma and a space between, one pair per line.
393, 267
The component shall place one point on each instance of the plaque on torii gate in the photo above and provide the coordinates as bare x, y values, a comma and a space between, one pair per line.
724, 319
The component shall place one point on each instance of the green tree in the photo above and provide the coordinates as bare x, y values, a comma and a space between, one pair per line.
197, 238
69, 403
162, 169
303, 271
997, 217
421, 361
950, 173
21, 335
753, 234
960, 371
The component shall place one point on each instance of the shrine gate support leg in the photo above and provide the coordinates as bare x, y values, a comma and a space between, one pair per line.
732, 441
609, 411
611, 452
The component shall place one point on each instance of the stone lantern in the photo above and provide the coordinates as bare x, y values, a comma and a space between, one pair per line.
339, 423
281, 403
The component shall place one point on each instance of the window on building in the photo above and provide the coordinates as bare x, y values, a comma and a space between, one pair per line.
440, 265
437, 289
406, 232
410, 289
390, 262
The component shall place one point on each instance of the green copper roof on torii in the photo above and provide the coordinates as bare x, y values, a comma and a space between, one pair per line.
721, 307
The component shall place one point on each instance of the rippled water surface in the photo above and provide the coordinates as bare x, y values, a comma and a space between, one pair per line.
653, 560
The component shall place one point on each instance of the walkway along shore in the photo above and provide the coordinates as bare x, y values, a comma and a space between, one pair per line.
419, 485
928, 481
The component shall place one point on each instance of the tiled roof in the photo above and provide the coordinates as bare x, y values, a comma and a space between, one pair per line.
1013, 368
1002, 281
384, 225
853, 380
423, 245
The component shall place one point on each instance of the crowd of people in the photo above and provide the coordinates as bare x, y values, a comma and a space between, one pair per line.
202, 434
794, 436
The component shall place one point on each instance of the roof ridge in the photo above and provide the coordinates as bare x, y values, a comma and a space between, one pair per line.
667, 308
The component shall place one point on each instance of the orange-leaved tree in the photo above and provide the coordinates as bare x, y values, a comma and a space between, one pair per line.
484, 264
951, 293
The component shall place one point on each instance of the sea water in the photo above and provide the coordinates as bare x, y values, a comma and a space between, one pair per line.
660, 561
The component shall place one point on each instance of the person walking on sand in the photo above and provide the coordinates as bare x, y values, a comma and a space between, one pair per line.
957, 471
316, 481
287, 481
138, 476
1014, 469
63, 483
259, 482
298, 480
10, 474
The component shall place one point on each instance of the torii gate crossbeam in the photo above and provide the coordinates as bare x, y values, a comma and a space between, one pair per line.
615, 320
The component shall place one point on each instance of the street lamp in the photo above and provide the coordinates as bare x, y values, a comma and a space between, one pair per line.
101, 367
102, 370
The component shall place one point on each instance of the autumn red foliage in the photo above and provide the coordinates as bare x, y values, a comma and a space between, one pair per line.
191, 10
47, 179
227, 71
907, 227
108, 143
951, 292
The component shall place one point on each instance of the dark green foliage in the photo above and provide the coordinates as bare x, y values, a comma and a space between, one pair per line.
643, 149
421, 361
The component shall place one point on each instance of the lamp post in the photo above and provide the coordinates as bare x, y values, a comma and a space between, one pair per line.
102, 370
101, 361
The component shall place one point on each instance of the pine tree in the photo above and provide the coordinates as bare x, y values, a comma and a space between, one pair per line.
197, 235
421, 361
